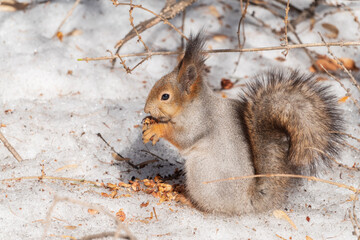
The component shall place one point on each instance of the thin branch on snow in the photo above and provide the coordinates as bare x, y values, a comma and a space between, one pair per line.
260, 49
116, 234
310, 178
340, 63
66, 17
10, 148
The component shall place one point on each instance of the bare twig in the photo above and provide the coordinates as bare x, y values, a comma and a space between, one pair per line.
120, 225
53, 178
67, 16
353, 217
102, 235
10, 148
260, 49
340, 63
134, 28
334, 160
286, 21
241, 24
113, 149
310, 178
343, 86
163, 16
348, 135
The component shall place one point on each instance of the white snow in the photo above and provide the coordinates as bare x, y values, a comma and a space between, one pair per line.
55, 117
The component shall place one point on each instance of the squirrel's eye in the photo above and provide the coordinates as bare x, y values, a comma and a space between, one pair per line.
165, 97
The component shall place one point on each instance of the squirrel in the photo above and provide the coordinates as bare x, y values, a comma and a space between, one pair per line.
282, 123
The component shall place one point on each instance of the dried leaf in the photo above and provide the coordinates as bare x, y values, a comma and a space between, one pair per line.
67, 167
343, 99
282, 215
280, 59
70, 227
214, 11
334, 31
93, 211
118, 158
121, 215
220, 37
104, 194
12, 6
226, 83
308, 218
60, 36
348, 63
144, 204
332, 65
308, 238
75, 32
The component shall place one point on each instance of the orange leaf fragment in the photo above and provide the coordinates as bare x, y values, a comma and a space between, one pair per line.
343, 99
70, 227
104, 194
226, 83
280, 59
93, 211
121, 215
60, 36
144, 204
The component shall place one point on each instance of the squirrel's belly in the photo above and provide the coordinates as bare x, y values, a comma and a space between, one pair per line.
230, 197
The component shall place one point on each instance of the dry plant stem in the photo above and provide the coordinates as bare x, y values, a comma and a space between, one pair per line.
67, 16
341, 64
286, 21
353, 217
120, 225
102, 235
131, 19
241, 23
261, 49
343, 86
351, 146
113, 149
10, 148
334, 160
351, 188
164, 16
348, 135
53, 178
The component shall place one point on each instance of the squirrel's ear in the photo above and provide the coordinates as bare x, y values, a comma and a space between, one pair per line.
192, 64
188, 77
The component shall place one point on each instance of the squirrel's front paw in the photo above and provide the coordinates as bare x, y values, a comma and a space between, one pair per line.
151, 130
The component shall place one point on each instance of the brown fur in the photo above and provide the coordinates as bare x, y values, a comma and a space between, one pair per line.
283, 123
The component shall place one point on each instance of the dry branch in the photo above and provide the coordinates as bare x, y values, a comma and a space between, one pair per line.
120, 225
241, 24
67, 16
10, 148
167, 13
260, 49
340, 63
343, 86
97, 184
341, 185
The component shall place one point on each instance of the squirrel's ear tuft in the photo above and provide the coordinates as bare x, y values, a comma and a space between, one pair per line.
192, 64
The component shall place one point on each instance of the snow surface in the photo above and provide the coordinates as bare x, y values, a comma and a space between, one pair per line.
55, 118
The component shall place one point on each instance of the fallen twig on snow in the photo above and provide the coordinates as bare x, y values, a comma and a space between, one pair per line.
10, 148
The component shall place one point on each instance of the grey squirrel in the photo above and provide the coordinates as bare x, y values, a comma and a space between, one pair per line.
284, 122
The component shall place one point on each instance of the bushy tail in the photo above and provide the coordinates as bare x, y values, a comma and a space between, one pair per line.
292, 123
